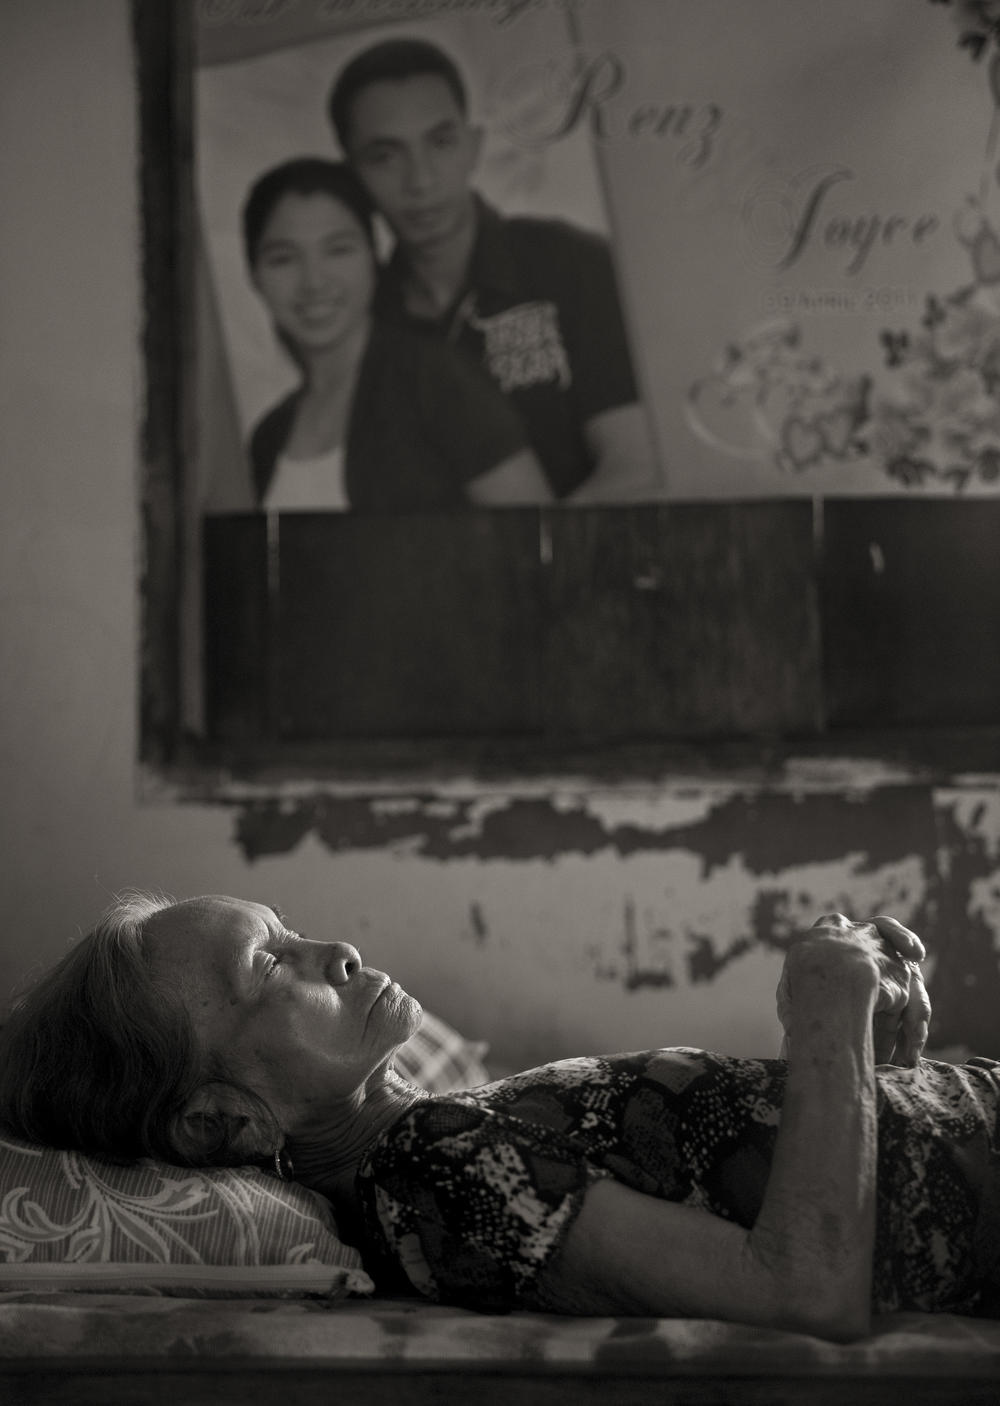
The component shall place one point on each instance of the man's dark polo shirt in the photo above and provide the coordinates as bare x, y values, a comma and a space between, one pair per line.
540, 313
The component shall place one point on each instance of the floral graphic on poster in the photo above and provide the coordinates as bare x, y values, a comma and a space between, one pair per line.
933, 419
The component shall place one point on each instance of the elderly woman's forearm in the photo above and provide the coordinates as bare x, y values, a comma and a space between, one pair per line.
814, 1235
806, 1264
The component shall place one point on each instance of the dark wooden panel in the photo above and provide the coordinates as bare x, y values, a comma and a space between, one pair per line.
416, 625
165, 1382
911, 611
237, 652
687, 619
163, 46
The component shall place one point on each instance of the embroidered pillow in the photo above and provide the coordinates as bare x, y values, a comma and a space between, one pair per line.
73, 1222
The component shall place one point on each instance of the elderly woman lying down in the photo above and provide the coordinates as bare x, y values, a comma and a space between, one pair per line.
800, 1192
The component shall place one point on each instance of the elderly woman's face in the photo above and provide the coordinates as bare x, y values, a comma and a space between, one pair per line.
304, 1023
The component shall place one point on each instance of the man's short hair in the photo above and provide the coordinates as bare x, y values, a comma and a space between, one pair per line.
392, 60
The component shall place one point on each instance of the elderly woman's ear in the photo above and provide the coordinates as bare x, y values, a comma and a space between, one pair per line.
223, 1125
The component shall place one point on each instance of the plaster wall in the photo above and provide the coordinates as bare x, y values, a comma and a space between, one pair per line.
547, 919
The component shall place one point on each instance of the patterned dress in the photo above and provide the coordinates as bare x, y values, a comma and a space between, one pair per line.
467, 1197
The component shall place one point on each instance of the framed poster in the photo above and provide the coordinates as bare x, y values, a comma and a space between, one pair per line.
711, 274
799, 199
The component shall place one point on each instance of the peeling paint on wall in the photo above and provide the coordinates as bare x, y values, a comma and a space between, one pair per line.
478, 925
770, 829
711, 877
965, 984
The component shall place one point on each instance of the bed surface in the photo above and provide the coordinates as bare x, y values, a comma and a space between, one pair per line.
83, 1348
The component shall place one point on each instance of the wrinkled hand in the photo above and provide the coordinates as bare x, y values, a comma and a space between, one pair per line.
902, 1007
900, 1030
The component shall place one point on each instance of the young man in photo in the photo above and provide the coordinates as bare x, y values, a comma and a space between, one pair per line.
533, 301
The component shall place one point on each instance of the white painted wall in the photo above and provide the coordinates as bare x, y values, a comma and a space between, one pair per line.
72, 830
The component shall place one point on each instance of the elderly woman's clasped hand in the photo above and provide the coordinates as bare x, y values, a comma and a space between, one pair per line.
902, 1006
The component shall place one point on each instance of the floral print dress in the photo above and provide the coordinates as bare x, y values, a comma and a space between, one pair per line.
467, 1197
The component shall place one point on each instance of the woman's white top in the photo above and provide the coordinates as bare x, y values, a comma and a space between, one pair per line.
308, 485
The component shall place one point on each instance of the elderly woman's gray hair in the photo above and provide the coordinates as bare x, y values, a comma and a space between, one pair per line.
99, 1056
